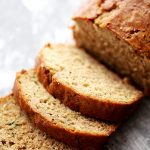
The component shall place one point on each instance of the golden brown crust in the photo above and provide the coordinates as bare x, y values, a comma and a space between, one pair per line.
133, 27
6, 98
80, 140
88, 106
102, 110
90, 10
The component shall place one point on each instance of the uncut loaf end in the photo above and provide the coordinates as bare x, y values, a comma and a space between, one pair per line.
117, 33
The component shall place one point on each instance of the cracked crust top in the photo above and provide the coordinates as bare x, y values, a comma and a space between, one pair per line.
129, 20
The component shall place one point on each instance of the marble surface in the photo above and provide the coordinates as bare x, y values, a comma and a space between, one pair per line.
25, 26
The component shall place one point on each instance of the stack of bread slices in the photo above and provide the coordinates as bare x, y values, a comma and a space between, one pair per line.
68, 101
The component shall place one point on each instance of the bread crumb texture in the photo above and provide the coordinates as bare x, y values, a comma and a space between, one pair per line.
56, 112
116, 37
17, 133
76, 69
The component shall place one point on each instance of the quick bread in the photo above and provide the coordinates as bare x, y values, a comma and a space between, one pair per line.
57, 120
85, 85
118, 34
18, 133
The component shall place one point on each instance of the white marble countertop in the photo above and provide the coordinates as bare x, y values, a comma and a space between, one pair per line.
25, 26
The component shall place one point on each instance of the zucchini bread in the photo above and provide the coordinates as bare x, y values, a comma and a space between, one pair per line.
57, 120
17, 132
117, 32
85, 85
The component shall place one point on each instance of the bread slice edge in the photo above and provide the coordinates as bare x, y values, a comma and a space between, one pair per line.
107, 110
75, 139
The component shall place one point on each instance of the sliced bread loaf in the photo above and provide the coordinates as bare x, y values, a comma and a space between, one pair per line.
84, 85
117, 32
55, 118
17, 133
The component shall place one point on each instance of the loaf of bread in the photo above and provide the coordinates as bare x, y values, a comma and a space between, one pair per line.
117, 32
57, 120
83, 84
17, 132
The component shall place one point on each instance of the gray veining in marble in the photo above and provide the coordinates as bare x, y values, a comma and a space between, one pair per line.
25, 26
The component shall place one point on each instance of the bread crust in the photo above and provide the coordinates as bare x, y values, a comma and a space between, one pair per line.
25, 130
134, 30
75, 139
88, 106
5, 98
128, 25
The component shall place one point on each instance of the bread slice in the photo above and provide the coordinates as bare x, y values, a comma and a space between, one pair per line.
17, 132
85, 85
55, 118
116, 37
